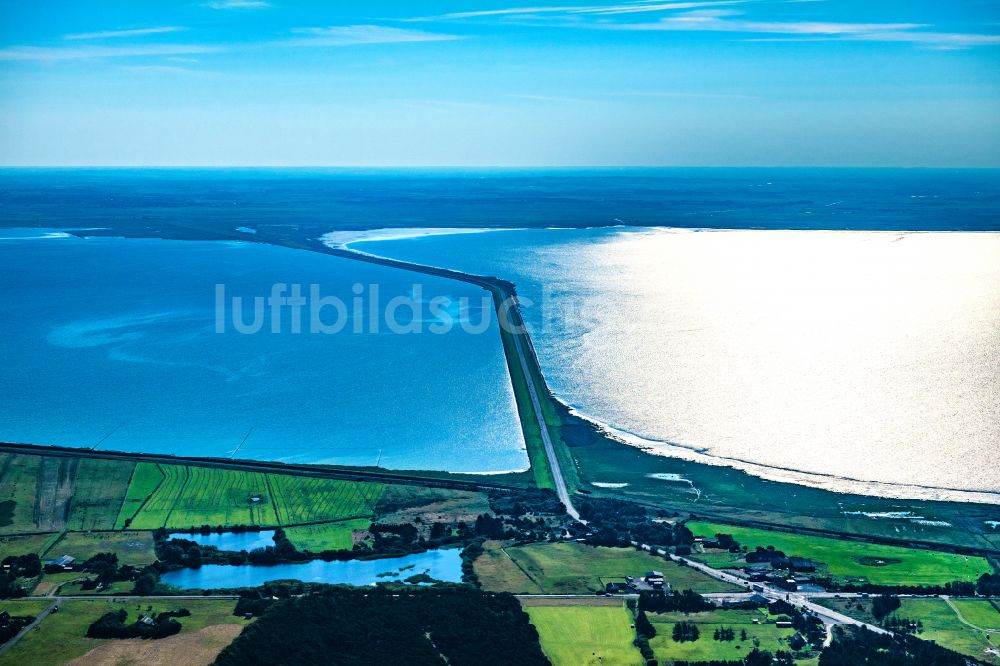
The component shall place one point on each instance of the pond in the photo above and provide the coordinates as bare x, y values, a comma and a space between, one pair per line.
441, 565
235, 541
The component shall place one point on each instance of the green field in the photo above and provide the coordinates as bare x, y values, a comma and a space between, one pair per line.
56, 493
586, 635
25, 544
18, 476
302, 499
706, 648
574, 568
97, 493
60, 636
132, 547
850, 560
24, 607
942, 625
326, 536
181, 497
51, 494
980, 612
145, 478
50, 582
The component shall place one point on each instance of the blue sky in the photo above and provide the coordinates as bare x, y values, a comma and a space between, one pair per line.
724, 82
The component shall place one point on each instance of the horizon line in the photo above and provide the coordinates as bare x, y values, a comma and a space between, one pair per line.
12, 167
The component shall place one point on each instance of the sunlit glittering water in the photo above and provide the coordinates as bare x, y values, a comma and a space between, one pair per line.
818, 356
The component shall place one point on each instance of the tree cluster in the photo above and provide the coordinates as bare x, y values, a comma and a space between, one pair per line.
685, 631
23, 566
675, 602
341, 625
854, 646
884, 604
724, 634
988, 585
618, 523
760, 554
112, 625
106, 570
760, 657
11, 625
542, 502
903, 625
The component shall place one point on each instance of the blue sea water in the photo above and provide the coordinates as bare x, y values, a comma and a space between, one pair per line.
109, 342
114, 343
322, 200
860, 361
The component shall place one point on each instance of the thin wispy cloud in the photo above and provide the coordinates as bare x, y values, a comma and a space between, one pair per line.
556, 99
159, 69
347, 35
56, 54
726, 21
138, 32
238, 4
723, 21
715, 16
676, 94
631, 8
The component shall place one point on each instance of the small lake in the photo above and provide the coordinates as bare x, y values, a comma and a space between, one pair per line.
442, 565
235, 541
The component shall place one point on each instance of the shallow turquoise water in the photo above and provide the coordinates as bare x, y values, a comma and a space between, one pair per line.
443, 565
113, 343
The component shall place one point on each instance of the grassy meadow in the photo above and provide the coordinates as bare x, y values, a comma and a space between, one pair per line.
981, 612
326, 536
185, 497
61, 636
132, 547
574, 568
851, 560
942, 625
576, 635
765, 635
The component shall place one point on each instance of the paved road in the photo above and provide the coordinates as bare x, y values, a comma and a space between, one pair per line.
550, 451
38, 619
801, 599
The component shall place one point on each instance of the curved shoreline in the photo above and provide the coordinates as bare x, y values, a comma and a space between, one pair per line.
818, 480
